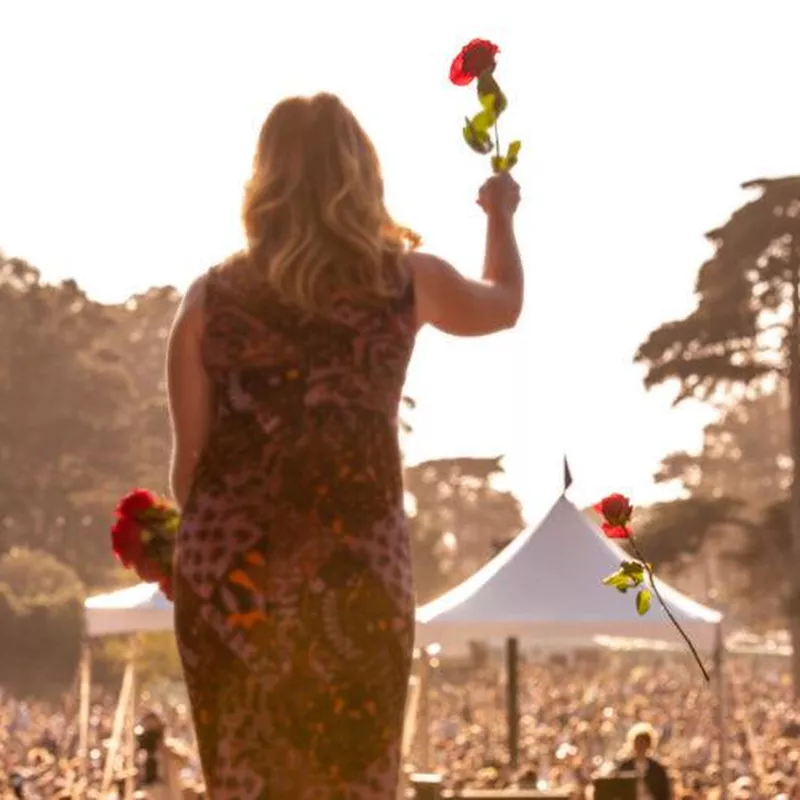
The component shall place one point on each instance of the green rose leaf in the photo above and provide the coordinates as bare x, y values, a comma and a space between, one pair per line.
634, 570
613, 579
172, 524
619, 580
484, 120
478, 140
643, 601
512, 153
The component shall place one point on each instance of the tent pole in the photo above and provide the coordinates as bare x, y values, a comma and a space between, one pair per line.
722, 715
424, 708
84, 707
130, 744
410, 725
512, 699
117, 728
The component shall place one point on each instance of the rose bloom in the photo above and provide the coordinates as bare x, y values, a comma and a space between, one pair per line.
126, 541
474, 59
616, 511
135, 502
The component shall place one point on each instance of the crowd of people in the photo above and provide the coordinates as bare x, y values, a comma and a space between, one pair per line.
41, 759
575, 716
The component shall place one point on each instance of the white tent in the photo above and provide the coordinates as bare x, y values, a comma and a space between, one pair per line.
546, 586
137, 608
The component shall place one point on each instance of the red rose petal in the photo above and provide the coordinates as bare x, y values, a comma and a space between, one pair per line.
457, 74
476, 57
135, 502
126, 541
616, 531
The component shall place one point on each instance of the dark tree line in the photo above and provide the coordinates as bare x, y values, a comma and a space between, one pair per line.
81, 417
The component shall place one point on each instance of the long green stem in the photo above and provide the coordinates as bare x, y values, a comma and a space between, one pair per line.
496, 141
666, 608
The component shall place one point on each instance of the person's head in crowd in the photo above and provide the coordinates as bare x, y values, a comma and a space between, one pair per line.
152, 722
150, 731
642, 740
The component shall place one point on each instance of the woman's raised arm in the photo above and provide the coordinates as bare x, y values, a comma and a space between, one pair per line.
465, 307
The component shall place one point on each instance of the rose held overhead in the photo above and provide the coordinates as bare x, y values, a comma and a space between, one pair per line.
477, 61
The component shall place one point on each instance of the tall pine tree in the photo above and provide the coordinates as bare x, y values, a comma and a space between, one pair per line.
745, 328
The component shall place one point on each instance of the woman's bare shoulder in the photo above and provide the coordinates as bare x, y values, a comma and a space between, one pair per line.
428, 271
195, 294
229, 272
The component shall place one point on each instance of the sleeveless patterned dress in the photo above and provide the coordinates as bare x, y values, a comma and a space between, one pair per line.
294, 605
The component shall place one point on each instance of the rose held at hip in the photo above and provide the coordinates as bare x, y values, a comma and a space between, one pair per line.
474, 59
143, 536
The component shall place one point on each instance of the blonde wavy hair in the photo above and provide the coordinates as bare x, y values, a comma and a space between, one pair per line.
314, 213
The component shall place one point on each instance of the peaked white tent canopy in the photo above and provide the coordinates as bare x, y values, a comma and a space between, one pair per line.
132, 610
546, 585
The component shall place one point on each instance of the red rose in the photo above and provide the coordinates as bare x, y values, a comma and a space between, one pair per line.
474, 59
616, 531
616, 511
126, 541
135, 502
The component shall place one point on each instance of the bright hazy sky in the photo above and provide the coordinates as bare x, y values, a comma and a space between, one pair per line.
128, 128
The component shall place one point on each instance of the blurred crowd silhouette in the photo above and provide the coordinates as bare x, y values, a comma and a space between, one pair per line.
575, 715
